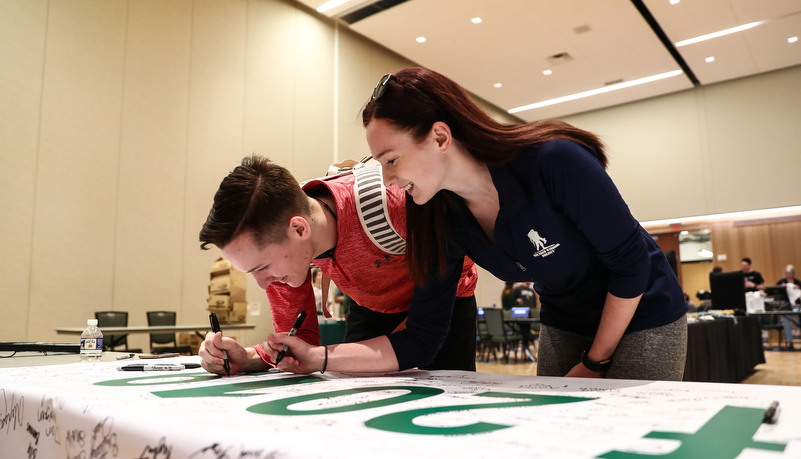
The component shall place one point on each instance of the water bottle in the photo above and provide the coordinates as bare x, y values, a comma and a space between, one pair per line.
91, 341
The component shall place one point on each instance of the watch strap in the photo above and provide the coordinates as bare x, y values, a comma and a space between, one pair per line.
592, 365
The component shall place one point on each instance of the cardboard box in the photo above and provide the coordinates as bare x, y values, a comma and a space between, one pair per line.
221, 266
237, 313
228, 283
191, 340
227, 299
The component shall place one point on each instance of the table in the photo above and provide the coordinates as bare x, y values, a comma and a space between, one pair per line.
94, 410
157, 329
723, 350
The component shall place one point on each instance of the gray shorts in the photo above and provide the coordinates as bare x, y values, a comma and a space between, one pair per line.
655, 354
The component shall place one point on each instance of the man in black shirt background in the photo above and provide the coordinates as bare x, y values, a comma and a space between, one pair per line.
753, 279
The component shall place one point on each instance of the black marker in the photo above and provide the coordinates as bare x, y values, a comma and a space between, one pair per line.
295, 326
158, 366
772, 413
215, 327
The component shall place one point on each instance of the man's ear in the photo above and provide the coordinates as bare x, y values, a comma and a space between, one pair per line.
299, 227
442, 135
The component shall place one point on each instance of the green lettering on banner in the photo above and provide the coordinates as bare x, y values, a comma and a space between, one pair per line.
281, 407
722, 437
158, 380
231, 390
403, 422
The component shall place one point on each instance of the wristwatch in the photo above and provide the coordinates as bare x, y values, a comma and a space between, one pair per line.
591, 365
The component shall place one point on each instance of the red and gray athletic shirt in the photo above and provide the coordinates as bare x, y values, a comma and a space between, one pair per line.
370, 276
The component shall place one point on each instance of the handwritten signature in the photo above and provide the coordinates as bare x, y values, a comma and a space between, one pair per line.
155, 452
104, 440
217, 451
13, 412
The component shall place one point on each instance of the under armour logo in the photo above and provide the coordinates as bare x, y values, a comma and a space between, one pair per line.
378, 262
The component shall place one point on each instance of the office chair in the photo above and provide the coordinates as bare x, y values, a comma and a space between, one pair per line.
164, 318
112, 319
499, 338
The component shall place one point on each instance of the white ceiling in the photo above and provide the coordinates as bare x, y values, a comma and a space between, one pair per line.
609, 41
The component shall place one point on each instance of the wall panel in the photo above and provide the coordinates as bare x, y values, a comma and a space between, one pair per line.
23, 28
754, 137
215, 131
314, 97
77, 181
270, 81
148, 262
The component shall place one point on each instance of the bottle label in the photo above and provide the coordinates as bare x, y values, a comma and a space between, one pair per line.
92, 344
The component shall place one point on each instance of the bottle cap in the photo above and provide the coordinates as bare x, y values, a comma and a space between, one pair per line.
91, 322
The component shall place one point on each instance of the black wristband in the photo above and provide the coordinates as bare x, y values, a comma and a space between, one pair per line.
325, 362
598, 367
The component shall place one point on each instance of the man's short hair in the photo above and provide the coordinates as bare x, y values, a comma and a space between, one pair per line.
747, 260
258, 197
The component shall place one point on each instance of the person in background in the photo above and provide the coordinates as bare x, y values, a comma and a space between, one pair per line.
317, 277
753, 279
507, 300
529, 203
524, 295
267, 225
789, 279
337, 302
691, 307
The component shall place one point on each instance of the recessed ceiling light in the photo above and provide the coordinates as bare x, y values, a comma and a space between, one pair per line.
720, 33
546, 72
497, 85
674, 2
593, 92
421, 39
710, 59
792, 39
476, 20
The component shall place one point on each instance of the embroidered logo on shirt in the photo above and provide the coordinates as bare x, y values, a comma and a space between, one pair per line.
539, 243
536, 240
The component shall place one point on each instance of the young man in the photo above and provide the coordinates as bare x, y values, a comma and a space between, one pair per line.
268, 226
753, 279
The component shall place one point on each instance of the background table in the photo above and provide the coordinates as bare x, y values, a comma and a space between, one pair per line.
723, 350
157, 329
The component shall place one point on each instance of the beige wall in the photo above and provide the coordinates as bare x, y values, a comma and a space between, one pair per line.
119, 118
727, 147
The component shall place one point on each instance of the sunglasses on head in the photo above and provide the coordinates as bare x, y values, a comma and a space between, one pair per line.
381, 88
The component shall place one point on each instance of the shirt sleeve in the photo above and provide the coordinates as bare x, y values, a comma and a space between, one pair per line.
578, 184
286, 303
429, 318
